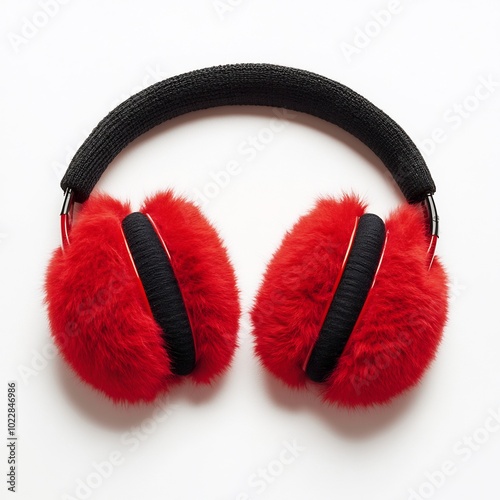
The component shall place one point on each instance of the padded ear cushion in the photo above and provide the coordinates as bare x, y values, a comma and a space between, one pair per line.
399, 328
206, 280
297, 287
349, 297
162, 290
99, 314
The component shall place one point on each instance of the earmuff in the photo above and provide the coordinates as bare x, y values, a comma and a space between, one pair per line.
138, 301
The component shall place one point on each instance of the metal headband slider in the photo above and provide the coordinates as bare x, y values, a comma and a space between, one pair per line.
67, 216
433, 222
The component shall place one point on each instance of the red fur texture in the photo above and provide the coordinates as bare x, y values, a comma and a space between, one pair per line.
206, 279
98, 311
400, 326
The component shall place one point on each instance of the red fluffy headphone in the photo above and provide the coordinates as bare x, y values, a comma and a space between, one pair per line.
137, 301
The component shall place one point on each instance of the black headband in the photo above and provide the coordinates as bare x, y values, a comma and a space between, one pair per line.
250, 84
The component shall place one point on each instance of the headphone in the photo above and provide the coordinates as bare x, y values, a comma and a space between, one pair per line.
138, 301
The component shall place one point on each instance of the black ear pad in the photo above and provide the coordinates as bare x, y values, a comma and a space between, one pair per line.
349, 298
162, 291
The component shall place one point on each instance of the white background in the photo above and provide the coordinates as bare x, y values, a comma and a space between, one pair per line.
425, 63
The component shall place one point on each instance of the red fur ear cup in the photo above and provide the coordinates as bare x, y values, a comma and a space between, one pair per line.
398, 329
100, 313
